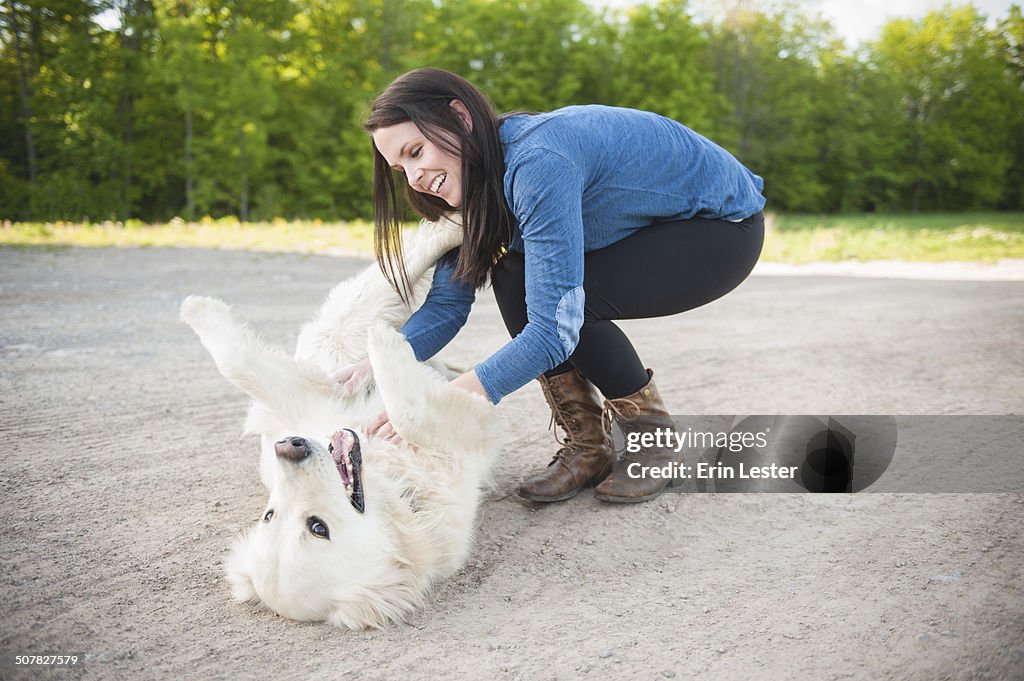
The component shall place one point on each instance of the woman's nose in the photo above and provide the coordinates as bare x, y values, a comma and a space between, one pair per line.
414, 175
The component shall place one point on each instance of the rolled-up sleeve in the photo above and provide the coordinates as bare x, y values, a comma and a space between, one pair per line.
547, 192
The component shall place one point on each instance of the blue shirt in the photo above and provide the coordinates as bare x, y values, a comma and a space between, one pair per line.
578, 179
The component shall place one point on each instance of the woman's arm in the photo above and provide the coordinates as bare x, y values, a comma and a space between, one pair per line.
548, 203
443, 313
430, 328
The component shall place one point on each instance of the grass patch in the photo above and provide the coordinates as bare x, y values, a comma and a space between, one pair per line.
303, 236
978, 237
929, 237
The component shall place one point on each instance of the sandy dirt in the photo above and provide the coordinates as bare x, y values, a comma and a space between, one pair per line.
124, 479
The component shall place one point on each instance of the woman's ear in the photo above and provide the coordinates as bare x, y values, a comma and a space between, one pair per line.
463, 113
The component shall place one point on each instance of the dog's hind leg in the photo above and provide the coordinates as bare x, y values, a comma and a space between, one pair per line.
433, 240
423, 407
336, 337
267, 374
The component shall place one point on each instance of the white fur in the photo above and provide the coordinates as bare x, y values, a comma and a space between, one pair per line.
336, 337
377, 566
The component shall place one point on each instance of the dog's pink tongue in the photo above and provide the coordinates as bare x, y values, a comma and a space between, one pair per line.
342, 443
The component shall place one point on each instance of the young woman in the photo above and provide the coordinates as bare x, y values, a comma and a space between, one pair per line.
578, 217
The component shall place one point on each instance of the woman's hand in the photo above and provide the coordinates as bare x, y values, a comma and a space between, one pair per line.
354, 377
380, 426
470, 383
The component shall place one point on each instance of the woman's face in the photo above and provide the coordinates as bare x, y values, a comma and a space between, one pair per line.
427, 168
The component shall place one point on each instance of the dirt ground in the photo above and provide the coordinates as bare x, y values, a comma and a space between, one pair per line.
124, 478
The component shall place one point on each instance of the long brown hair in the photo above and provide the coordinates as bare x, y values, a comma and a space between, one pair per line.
424, 96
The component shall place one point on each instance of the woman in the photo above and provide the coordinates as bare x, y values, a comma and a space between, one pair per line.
578, 217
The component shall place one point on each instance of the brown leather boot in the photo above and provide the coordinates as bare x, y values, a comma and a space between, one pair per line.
643, 411
585, 457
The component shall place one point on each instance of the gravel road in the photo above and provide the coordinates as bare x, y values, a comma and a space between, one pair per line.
124, 478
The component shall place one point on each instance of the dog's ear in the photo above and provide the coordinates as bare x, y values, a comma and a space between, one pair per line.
374, 609
354, 616
239, 572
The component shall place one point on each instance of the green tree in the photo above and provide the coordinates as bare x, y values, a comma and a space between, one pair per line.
766, 68
1011, 32
530, 55
58, 55
151, 108
958, 107
341, 54
659, 65
856, 107
179, 68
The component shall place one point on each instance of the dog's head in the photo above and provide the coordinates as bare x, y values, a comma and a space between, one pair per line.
323, 549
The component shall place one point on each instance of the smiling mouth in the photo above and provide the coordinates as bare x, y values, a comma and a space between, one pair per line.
348, 459
438, 182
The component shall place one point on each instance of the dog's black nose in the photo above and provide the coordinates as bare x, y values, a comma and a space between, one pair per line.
292, 448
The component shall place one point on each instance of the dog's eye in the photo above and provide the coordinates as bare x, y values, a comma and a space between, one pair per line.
317, 527
330, 448
268, 515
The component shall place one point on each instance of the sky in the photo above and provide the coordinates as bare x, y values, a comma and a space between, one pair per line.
859, 20
854, 20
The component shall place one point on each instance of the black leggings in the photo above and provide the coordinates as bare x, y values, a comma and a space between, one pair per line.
660, 270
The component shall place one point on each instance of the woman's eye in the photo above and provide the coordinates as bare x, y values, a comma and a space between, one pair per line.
416, 152
267, 516
317, 527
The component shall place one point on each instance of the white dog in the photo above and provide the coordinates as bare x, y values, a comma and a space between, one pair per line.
357, 529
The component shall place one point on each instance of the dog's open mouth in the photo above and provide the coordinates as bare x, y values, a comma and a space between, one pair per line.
344, 449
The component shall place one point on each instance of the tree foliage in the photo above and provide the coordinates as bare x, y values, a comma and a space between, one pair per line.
154, 108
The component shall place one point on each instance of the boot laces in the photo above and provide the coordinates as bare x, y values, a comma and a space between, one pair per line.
568, 442
622, 409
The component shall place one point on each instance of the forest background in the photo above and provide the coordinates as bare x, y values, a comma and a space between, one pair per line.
154, 109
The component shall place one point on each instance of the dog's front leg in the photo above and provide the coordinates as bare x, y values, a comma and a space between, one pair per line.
423, 407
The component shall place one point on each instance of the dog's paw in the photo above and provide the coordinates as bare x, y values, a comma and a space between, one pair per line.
446, 232
201, 310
